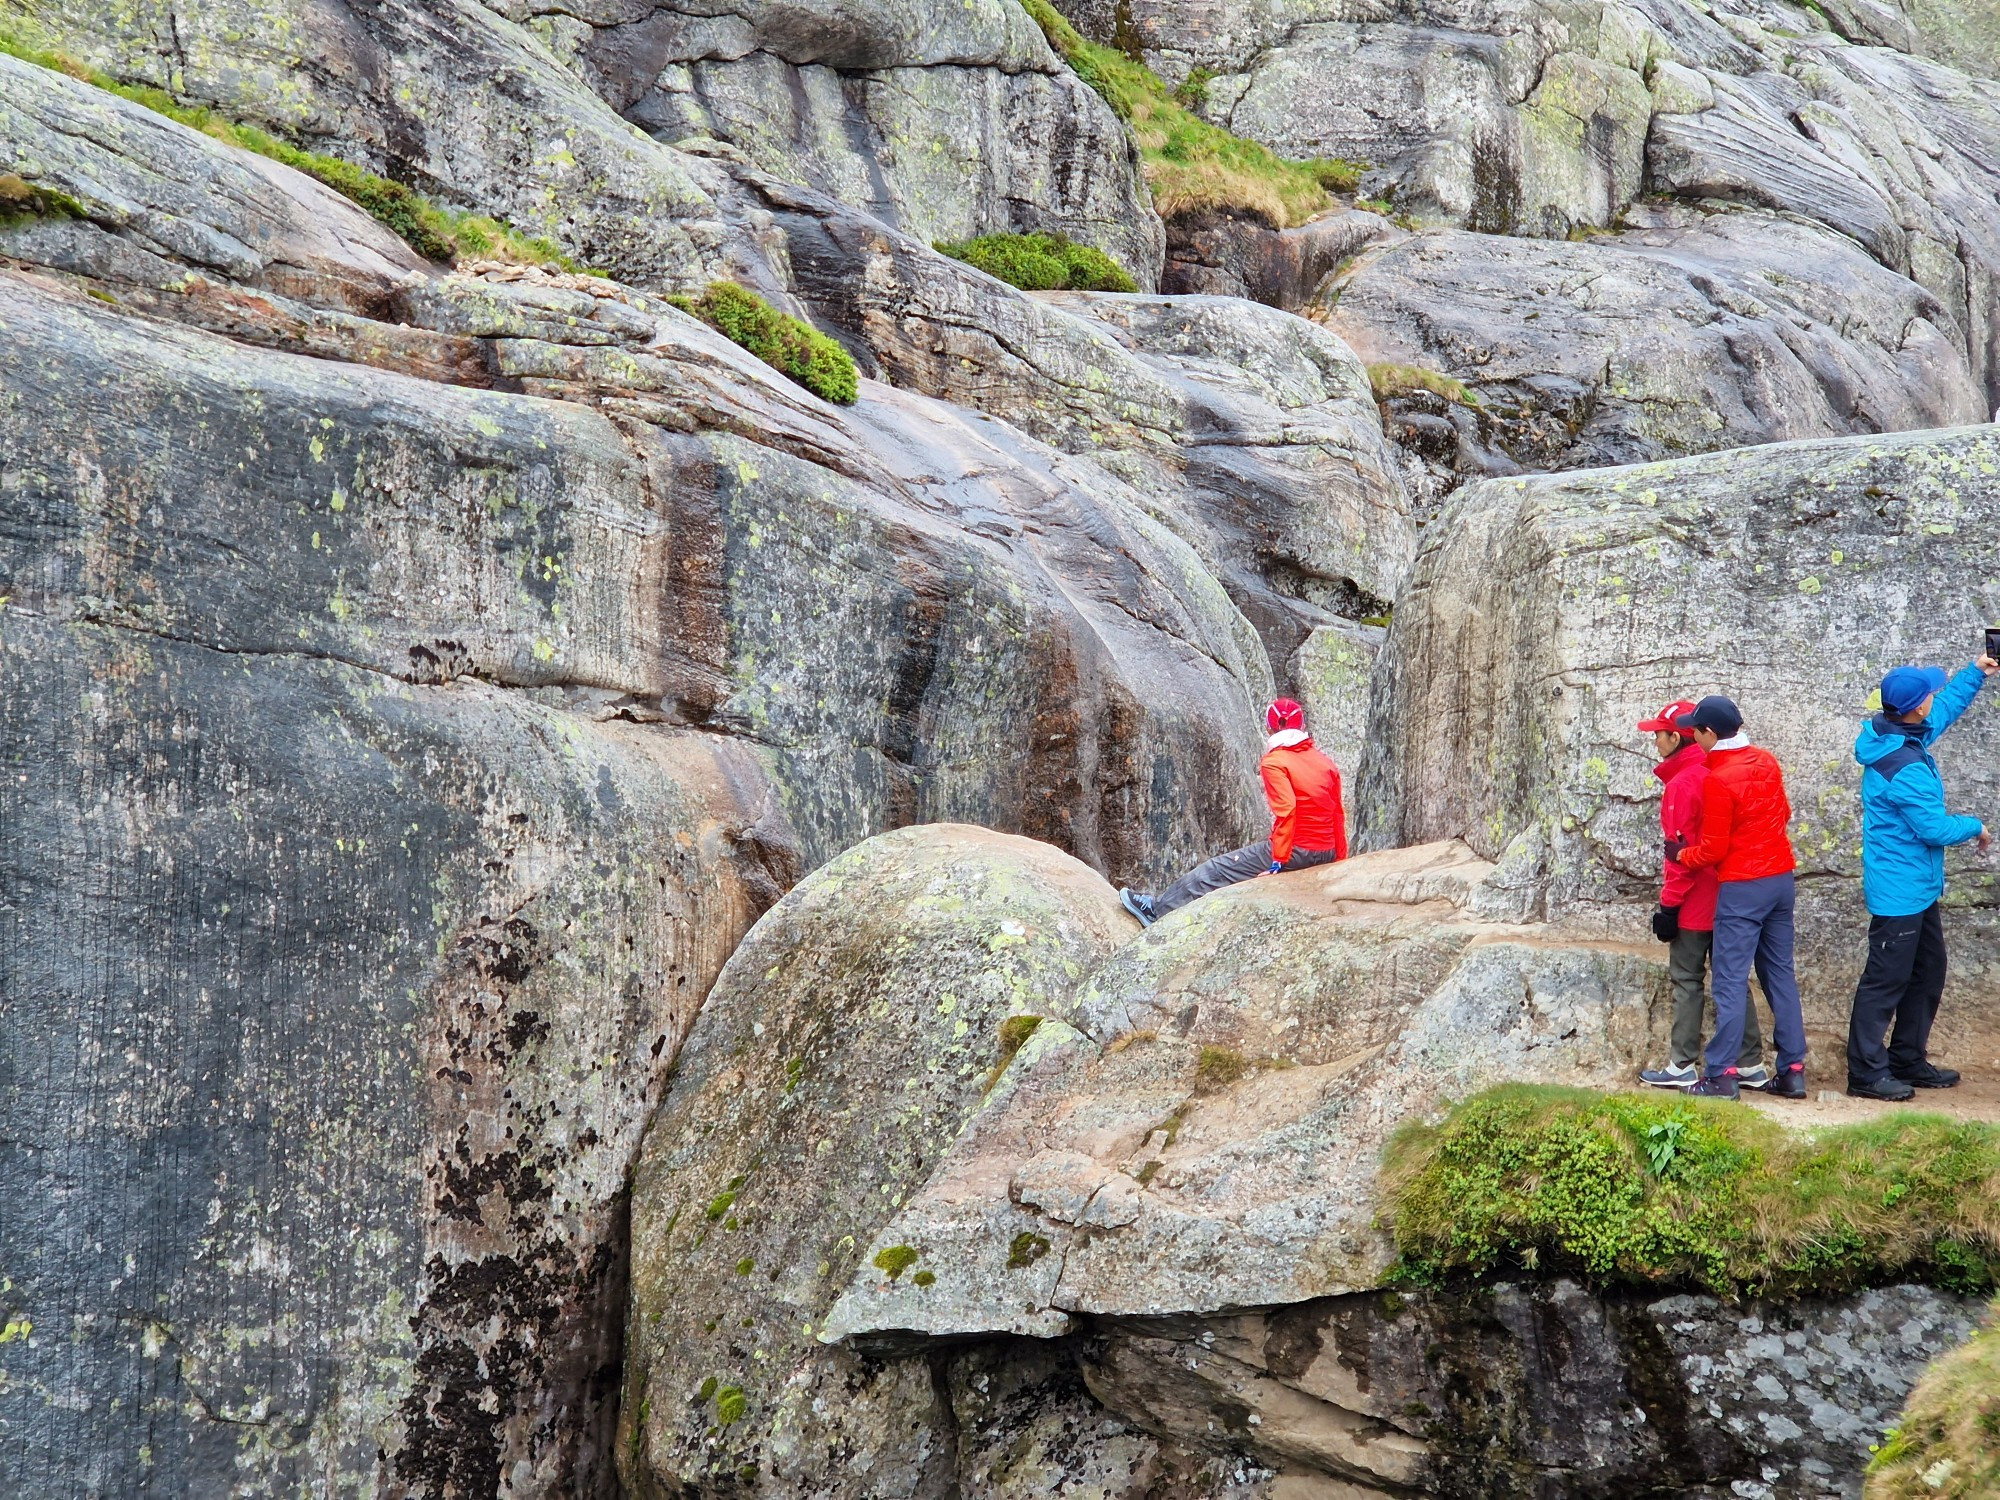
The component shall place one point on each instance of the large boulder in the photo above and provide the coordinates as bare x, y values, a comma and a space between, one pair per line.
944, 121
1199, 1128
836, 1059
1548, 615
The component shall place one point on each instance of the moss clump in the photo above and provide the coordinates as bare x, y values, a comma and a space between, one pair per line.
1947, 1447
1027, 1248
788, 346
1190, 164
1391, 380
895, 1260
1042, 263
1217, 1068
21, 200
723, 1201
1014, 1034
1650, 1191
729, 1404
435, 232
924, 1278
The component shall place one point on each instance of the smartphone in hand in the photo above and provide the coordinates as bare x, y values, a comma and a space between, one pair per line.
1993, 641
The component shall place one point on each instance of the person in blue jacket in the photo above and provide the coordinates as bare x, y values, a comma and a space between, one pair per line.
1904, 832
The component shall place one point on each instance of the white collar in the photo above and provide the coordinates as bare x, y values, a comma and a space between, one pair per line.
1284, 739
1737, 741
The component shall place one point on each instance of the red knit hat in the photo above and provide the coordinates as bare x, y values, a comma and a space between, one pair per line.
1284, 714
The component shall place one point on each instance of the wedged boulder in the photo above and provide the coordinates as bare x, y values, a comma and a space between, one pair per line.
1225, 256
1548, 615
946, 122
1682, 337
1199, 1128
834, 1063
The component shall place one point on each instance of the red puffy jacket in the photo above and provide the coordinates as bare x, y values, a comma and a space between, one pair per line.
1690, 892
1303, 789
1743, 817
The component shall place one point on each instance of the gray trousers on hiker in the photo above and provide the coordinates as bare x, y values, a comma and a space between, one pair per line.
1687, 965
1232, 868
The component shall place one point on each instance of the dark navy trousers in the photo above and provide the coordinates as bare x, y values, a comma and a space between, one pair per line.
1904, 982
1753, 929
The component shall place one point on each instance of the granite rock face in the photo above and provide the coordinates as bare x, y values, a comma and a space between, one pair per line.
1549, 615
943, 121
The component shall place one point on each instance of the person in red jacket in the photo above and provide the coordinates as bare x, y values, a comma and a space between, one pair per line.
1686, 916
1743, 818
1308, 822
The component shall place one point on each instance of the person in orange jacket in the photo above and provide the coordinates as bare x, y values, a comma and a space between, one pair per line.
1743, 818
1308, 822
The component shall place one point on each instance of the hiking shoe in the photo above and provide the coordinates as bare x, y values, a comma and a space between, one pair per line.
1140, 906
1789, 1084
1671, 1077
1892, 1090
1716, 1086
1753, 1077
1930, 1077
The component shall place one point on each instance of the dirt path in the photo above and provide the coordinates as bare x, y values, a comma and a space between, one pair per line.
1977, 1097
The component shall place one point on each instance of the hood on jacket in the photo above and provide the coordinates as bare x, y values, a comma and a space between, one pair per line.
1882, 736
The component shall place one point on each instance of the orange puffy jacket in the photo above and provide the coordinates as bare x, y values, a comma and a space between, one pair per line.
1743, 817
1303, 788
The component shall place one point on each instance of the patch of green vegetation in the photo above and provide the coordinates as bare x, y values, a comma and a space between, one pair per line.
433, 231
1027, 1248
745, 1266
1192, 91
1639, 1189
1217, 1068
1390, 380
721, 1203
1190, 164
21, 200
794, 1071
1042, 263
895, 1260
925, 1278
708, 1389
1014, 1034
1947, 1446
729, 1404
794, 349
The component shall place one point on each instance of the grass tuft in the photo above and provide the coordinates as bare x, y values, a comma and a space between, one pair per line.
433, 231
1947, 1446
22, 200
1191, 165
1392, 380
1631, 1188
792, 348
1043, 263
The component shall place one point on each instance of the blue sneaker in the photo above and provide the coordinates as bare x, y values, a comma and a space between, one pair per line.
1671, 1077
1757, 1076
1716, 1086
1138, 905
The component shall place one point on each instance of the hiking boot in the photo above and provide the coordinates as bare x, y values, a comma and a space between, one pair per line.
1138, 905
1930, 1077
1671, 1076
1716, 1086
1756, 1076
1789, 1084
1891, 1090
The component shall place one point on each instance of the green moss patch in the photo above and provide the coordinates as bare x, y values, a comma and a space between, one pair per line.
1026, 1248
1651, 1190
433, 231
792, 348
1947, 1447
1043, 263
1190, 164
895, 1260
21, 200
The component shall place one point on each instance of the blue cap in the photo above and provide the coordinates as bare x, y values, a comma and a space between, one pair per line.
1906, 687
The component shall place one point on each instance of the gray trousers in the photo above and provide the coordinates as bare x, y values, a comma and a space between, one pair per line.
1687, 961
1232, 868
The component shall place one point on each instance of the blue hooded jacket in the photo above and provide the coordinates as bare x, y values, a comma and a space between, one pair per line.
1904, 825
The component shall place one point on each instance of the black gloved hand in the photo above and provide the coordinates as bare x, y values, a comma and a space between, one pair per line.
1667, 923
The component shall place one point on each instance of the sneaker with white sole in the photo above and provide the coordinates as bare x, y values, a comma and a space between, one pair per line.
1754, 1077
1671, 1077
1138, 905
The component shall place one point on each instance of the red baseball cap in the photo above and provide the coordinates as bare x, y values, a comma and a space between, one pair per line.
1667, 720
